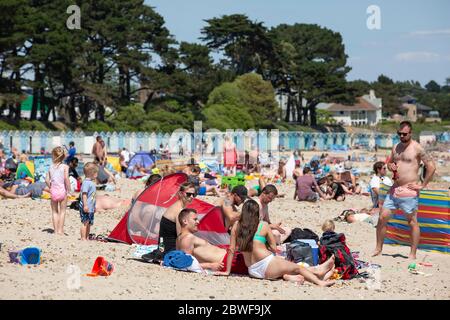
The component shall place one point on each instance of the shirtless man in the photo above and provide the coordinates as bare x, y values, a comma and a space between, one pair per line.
215, 258
268, 194
97, 150
209, 256
404, 194
229, 203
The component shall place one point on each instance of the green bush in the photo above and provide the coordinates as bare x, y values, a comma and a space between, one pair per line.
166, 121
6, 126
248, 102
34, 125
224, 116
96, 126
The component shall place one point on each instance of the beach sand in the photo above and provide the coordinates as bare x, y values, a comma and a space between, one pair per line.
66, 259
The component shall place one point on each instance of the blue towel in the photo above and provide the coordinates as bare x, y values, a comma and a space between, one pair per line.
177, 259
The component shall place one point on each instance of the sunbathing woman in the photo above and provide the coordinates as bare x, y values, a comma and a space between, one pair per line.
253, 238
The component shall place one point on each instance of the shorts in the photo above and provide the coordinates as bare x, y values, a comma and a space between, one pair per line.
202, 191
86, 217
408, 205
237, 265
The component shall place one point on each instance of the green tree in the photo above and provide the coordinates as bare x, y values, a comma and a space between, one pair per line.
247, 102
245, 43
433, 86
319, 65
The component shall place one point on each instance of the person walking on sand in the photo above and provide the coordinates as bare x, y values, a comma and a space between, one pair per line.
404, 162
58, 181
255, 240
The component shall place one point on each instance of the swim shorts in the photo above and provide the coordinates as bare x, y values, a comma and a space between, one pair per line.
399, 198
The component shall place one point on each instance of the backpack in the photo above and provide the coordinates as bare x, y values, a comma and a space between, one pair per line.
333, 243
298, 251
298, 233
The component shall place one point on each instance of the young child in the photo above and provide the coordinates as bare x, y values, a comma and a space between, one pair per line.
58, 181
328, 226
87, 199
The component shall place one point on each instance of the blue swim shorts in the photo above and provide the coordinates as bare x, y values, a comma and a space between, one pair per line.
407, 204
87, 217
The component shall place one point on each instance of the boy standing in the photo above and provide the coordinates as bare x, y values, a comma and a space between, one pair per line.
87, 201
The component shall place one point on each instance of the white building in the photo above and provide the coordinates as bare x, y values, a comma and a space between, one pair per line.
366, 111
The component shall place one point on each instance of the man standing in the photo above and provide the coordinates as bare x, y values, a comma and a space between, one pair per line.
97, 150
404, 162
375, 183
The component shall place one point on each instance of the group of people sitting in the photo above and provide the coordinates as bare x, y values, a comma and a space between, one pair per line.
315, 182
255, 239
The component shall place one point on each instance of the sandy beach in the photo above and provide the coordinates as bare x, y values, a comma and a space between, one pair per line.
66, 259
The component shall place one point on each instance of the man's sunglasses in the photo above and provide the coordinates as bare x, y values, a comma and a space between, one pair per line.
403, 134
191, 194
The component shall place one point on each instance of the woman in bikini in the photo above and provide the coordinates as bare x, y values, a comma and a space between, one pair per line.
256, 242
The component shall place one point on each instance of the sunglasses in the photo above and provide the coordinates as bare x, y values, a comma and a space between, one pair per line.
191, 194
403, 134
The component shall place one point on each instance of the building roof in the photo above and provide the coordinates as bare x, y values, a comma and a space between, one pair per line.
423, 107
408, 99
360, 105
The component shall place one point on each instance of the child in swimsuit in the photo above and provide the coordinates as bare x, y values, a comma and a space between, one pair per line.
58, 182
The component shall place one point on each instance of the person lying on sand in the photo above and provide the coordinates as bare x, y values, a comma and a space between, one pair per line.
11, 195
199, 182
352, 216
209, 256
253, 238
106, 202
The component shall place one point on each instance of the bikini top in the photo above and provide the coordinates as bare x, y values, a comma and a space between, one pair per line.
259, 237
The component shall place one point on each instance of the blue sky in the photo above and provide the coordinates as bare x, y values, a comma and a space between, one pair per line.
413, 42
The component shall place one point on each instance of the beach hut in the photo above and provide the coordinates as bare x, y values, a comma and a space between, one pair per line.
433, 216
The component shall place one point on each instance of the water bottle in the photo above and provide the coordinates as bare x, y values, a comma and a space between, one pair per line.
161, 244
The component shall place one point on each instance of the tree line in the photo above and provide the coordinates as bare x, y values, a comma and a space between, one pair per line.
124, 49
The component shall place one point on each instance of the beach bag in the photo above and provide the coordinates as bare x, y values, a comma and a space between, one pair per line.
334, 243
298, 251
298, 233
